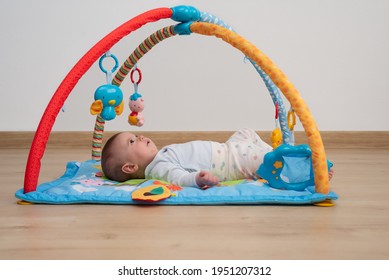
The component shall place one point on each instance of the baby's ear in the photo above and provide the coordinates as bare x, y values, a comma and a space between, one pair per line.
129, 168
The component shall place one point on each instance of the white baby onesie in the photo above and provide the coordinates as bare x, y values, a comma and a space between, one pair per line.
238, 158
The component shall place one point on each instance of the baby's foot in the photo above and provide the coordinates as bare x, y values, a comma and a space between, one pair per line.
331, 173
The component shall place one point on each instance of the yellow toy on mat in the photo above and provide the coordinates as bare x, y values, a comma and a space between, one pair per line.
152, 193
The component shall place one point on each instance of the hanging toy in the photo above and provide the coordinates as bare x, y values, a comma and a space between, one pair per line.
108, 102
108, 98
276, 135
291, 119
136, 102
136, 105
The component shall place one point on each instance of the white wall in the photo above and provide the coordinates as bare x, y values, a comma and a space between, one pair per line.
336, 53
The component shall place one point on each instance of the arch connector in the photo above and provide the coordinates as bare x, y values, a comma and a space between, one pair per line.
183, 28
185, 13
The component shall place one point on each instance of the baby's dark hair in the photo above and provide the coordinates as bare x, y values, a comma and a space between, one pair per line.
111, 164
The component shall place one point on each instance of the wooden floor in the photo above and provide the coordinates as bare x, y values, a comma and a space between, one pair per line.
357, 227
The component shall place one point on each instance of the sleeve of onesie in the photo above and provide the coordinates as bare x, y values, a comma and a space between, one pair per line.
163, 169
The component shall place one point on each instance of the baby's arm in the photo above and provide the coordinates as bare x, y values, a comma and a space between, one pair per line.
205, 178
175, 174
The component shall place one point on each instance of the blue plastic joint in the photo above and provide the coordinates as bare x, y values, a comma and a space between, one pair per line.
183, 28
185, 13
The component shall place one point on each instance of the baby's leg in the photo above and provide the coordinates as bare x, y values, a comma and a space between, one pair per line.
248, 135
246, 153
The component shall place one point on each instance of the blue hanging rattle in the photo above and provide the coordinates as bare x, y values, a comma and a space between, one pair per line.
108, 98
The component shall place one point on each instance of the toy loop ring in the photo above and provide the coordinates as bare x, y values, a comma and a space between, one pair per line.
101, 63
291, 119
132, 76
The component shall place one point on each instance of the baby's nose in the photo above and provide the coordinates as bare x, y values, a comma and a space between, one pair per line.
141, 137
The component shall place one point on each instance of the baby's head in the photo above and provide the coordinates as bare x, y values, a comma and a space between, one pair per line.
125, 156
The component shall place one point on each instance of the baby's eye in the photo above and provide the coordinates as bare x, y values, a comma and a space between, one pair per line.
132, 141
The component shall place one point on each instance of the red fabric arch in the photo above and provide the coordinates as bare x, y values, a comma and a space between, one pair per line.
43, 131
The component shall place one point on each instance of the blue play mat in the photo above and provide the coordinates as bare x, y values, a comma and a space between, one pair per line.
82, 183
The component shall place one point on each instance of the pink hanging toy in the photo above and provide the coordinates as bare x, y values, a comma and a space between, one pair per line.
136, 102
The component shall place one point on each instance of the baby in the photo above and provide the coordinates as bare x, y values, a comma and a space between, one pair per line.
127, 156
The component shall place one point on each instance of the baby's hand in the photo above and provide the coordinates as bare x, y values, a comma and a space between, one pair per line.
205, 178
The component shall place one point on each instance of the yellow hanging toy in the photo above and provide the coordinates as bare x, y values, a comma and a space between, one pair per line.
291, 119
276, 135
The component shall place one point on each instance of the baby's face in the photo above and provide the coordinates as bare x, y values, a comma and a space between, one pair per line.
137, 149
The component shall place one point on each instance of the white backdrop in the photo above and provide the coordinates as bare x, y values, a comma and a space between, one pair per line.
336, 53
